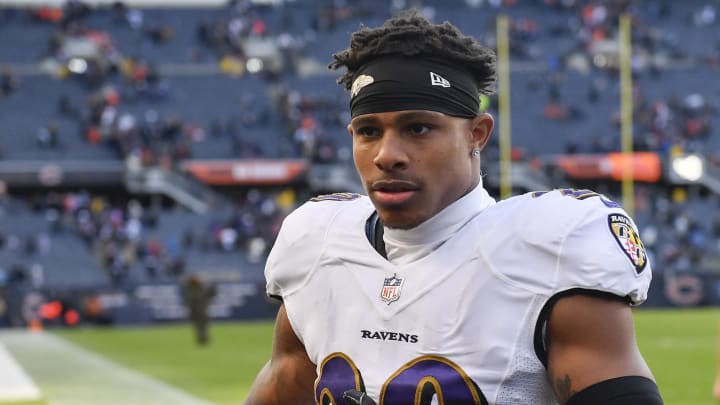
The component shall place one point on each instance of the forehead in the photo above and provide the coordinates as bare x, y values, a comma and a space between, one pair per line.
394, 117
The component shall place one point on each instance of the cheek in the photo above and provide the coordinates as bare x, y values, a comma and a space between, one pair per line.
445, 161
362, 158
449, 170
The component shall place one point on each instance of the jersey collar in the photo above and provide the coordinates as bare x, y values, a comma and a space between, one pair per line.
407, 245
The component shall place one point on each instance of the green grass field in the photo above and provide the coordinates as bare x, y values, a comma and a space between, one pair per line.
220, 372
679, 345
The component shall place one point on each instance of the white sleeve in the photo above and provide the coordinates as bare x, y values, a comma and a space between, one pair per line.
604, 252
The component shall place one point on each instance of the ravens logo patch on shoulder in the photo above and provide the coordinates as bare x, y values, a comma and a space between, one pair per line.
629, 241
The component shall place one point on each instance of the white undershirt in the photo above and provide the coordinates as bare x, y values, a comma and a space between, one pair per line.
405, 246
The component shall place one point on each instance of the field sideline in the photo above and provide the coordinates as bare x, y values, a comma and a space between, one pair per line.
679, 345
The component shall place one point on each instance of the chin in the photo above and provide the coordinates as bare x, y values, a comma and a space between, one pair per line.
400, 226
398, 222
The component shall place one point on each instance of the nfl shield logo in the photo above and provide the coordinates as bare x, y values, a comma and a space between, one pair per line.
391, 289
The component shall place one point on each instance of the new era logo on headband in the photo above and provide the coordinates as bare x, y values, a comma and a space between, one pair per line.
437, 80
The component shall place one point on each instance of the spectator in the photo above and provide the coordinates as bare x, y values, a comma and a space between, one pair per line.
197, 297
9, 82
47, 136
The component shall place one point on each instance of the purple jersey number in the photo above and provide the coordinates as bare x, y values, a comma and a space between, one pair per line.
415, 383
337, 375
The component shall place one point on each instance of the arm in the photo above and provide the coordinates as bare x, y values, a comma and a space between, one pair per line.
591, 340
289, 376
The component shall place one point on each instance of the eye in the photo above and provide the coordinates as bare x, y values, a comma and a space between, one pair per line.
419, 129
367, 131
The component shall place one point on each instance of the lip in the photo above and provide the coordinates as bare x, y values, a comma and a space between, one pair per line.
393, 192
392, 197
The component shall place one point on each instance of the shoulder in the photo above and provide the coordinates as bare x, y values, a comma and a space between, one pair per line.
541, 220
303, 235
574, 239
561, 207
313, 218
548, 217
604, 252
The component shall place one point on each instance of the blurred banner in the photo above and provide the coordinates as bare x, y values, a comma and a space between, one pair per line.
129, 3
246, 172
41, 173
645, 166
684, 289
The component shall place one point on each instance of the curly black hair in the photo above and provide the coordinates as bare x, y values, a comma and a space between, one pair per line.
410, 34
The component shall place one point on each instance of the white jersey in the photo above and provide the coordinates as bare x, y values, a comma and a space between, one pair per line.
463, 323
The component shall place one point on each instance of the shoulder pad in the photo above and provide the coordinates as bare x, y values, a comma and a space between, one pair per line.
562, 239
604, 252
301, 240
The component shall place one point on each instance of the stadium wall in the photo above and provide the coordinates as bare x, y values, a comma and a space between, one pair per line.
149, 303
132, 305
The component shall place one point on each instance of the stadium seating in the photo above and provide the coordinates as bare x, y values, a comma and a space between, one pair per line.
560, 102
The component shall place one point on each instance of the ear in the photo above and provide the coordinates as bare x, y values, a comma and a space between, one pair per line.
350, 130
481, 128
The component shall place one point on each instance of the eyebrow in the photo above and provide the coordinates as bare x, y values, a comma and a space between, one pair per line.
417, 115
364, 120
402, 117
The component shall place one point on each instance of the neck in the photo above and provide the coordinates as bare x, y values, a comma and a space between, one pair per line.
407, 245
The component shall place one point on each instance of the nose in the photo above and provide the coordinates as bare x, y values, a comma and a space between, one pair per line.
391, 153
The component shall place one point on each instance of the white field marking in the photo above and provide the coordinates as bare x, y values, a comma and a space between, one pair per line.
689, 342
70, 375
15, 384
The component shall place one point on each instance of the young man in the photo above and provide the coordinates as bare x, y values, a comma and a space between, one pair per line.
427, 291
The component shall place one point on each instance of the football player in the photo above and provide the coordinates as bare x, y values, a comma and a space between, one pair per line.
429, 291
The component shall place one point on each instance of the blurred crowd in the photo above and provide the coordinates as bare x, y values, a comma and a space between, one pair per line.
278, 46
134, 241
587, 32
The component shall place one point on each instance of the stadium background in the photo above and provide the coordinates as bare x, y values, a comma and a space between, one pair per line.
146, 141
